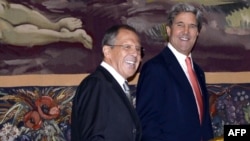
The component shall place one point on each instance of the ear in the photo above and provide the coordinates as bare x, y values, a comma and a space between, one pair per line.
197, 34
168, 30
106, 51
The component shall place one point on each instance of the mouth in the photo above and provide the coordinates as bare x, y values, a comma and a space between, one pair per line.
130, 62
184, 38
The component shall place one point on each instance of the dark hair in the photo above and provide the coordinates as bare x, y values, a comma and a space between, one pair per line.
184, 7
111, 33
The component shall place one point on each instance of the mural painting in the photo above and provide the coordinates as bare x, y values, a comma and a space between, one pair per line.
64, 36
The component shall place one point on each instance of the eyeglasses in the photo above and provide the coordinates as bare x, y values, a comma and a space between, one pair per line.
129, 47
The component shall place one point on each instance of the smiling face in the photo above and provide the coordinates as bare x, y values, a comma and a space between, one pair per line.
183, 32
124, 56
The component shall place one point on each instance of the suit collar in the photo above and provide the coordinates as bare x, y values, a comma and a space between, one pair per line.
114, 73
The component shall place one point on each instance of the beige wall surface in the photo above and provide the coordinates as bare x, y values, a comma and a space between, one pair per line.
75, 79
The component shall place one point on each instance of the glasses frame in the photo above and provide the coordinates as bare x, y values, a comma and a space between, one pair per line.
128, 47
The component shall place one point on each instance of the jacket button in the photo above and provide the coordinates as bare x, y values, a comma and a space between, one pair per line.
134, 131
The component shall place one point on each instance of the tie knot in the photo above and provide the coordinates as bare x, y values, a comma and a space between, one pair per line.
188, 60
125, 86
188, 63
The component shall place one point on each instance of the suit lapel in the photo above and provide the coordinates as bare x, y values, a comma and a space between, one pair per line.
179, 77
121, 94
176, 70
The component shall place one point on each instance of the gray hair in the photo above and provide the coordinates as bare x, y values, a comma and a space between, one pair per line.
184, 7
110, 35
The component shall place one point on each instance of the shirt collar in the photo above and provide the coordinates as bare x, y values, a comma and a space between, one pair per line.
114, 73
179, 56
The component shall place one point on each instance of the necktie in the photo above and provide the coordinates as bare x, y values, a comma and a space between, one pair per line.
127, 90
195, 87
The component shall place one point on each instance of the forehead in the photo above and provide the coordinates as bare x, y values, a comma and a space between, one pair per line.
125, 35
185, 17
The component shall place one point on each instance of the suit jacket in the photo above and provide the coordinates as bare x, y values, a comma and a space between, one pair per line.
102, 112
166, 104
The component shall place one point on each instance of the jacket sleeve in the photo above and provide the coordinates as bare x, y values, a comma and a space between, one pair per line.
148, 101
89, 112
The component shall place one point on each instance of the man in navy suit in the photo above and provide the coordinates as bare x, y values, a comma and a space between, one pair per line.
101, 109
166, 104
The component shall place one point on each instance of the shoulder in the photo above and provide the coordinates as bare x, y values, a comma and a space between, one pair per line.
161, 61
93, 79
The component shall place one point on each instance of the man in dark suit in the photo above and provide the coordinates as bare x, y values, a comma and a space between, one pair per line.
167, 104
102, 110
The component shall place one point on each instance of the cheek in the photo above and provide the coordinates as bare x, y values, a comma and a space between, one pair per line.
194, 33
139, 59
119, 57
194, 36
116, 56
175, 34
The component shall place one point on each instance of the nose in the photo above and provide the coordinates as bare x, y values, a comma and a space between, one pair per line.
186, 29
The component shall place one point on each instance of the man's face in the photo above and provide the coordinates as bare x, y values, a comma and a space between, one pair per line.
125, 56
183, 32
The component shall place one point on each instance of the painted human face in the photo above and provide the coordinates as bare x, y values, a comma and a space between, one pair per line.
125, 56
183, 32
